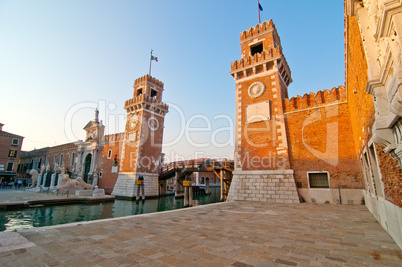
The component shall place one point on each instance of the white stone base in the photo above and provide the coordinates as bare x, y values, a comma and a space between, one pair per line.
274, 186
125, 184
387, 214
84, 193
331, 196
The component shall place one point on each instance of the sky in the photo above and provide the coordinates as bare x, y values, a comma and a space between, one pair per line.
59, 60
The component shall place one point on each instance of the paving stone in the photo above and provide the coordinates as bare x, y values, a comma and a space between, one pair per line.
232, 233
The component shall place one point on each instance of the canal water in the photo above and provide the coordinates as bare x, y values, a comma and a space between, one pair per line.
55, 215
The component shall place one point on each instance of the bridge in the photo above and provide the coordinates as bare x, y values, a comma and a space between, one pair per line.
181, 171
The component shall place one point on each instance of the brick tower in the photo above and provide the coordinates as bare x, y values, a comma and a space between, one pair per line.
143, 134
262, 75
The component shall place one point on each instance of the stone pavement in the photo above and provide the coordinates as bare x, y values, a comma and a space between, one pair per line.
223, 234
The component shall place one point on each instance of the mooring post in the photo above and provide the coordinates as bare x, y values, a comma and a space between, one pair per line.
222, 186
138, 183
207, 186
142, 191
190, 195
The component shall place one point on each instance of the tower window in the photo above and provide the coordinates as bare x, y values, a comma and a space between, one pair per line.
139, 92
109, 154
154, 93
256, 49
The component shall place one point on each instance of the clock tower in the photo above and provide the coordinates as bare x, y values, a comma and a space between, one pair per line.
143, 135
262, 76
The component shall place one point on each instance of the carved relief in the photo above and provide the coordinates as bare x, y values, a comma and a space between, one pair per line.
257, 89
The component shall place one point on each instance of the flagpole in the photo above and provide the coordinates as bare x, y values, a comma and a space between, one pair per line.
150, 63
259, 18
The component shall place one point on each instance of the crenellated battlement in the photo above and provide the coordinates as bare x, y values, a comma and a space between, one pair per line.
259, 28
321, 98
258, 57
144, 99
148, 78
114, 137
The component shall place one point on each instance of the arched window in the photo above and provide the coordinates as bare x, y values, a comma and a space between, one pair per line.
109, 154
54, 159
61, 160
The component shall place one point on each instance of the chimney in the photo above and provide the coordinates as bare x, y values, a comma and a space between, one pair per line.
1, 126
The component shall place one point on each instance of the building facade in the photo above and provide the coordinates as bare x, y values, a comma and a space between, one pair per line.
335, 146
112, 162
373, 30
288, 149
10, 150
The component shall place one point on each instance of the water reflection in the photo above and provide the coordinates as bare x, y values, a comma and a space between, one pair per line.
54, 215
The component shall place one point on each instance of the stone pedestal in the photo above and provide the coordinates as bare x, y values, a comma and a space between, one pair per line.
274, 186
39, 182
95, 180
59, 179
84, 193
52, 180
98, 192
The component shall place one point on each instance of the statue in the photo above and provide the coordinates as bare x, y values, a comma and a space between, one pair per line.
34, 176
63, 169
83, 184
67, 182
95, 171
42, 169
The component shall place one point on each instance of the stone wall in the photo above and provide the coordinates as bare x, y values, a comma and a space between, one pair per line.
125, 185
266, 186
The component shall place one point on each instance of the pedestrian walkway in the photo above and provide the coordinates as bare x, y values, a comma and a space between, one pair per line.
223, 234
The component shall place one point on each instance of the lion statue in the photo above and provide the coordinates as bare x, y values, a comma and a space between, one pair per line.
34, 176
67, 182
83, 184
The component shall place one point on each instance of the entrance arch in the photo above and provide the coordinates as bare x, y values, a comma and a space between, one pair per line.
87, 168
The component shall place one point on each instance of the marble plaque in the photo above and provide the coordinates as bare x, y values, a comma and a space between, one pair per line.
258, 112
132, 136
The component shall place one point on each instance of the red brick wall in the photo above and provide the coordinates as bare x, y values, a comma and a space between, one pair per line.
113, 142
391, 176
320, 138
66, 150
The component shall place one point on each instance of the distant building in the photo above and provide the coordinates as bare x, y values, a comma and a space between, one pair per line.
104, 160
10, 149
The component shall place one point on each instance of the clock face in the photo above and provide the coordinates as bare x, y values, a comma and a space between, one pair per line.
153, 124
133, 121
256, 89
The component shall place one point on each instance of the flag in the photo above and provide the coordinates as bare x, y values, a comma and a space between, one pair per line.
154, 58
260, 6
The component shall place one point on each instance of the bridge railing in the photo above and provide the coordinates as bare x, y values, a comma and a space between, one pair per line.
196, 164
